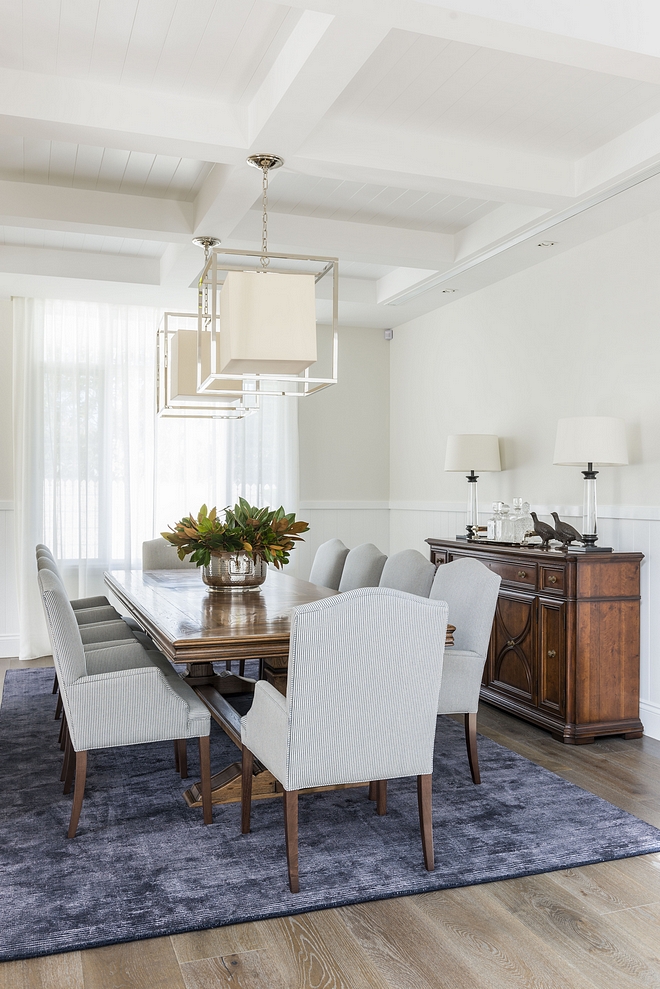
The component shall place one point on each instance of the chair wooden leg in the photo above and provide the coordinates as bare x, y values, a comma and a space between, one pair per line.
381, 797
246, 790
69, 768
291, 837
56, 685
176, 754
182, 748
471, 742
228, 664
61, 739
425, 803
58, 707
373, 790
67, 755
205, 764
78, 793
241, 667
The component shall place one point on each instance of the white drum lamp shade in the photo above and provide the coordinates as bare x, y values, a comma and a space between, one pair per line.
591, 441
597, 440
471, 452
267, 323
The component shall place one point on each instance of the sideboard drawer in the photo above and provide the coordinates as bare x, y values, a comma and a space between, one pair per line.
514, 573
552, 579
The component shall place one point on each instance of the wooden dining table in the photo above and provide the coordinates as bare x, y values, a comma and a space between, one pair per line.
191, 624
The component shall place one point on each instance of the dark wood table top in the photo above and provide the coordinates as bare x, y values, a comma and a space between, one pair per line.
190, 623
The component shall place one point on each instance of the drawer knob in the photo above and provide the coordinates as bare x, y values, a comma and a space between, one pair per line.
510, 643
551, 653
552, 579
522, 573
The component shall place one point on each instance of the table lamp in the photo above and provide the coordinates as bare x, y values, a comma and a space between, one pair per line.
591, 441
472, 452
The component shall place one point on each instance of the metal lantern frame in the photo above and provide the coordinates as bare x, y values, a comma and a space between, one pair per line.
295, 385
209, 405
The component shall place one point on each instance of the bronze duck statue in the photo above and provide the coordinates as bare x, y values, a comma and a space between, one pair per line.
566, 532
545, 531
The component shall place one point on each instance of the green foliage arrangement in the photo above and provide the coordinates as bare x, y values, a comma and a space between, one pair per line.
263, 534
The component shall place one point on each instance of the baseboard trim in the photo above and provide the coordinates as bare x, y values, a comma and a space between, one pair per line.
650, 715
9, 646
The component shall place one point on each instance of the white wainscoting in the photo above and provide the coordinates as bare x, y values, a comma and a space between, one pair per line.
353, 522
625, 528
8, 600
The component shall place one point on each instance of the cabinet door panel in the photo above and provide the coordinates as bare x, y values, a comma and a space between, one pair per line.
512, 647
552, 665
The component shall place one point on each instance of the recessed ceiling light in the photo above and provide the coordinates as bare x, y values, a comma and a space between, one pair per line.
547, 243
448, 290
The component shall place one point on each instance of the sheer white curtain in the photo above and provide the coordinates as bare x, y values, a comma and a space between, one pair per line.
96, 473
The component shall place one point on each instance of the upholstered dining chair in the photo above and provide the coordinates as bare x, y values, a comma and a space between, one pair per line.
126, 706
328, 564
87, 610
362, 567
342, 720
158, 554
470, 590
408, 571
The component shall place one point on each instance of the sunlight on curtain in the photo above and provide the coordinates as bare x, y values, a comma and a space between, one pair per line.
96, 472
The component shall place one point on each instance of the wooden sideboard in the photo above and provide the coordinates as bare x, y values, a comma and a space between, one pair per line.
564, 650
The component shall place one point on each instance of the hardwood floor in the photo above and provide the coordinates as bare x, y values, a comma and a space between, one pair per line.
590, 928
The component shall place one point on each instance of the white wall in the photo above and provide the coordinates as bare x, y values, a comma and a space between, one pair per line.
8, 607
344, 449
576, 335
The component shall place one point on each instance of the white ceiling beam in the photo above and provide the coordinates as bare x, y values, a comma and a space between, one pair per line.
84, 112
314, 67
357, 151
79, 264
328, 55
349, 241
637, 148
444, 21
399, 282
46, 207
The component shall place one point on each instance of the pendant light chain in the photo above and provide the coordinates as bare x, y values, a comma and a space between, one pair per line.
265, 261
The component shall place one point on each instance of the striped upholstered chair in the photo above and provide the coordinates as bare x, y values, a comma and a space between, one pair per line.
348, 715
470, 590
90, 610
408, 571
129, 705
362, 567
328, 564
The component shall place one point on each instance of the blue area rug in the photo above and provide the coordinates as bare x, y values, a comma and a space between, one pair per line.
143, 865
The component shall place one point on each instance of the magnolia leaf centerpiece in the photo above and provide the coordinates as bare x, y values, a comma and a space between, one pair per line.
262, 534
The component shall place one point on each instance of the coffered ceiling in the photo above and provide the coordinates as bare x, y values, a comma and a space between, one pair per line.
429, 145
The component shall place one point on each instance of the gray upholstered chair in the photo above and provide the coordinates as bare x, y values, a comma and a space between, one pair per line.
341, 720
158, 554
362, 567
126, 706
328, 564
470, 590
87, 610
408, 571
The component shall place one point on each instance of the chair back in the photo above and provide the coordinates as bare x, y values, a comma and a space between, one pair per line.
470, 589
362, 567
68, 651
408, 571
42, 548
158, 554
328, 564
363, 685
45, 562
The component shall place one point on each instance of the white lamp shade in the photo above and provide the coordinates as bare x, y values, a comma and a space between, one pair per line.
267, 323
598, 440
472, 451
182, 369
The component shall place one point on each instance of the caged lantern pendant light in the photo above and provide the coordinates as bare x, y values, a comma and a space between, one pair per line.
261, 316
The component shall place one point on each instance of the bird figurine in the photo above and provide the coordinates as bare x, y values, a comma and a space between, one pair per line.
545, 531
566, 532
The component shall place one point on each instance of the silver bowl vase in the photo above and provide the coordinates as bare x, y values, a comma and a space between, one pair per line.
234, 572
